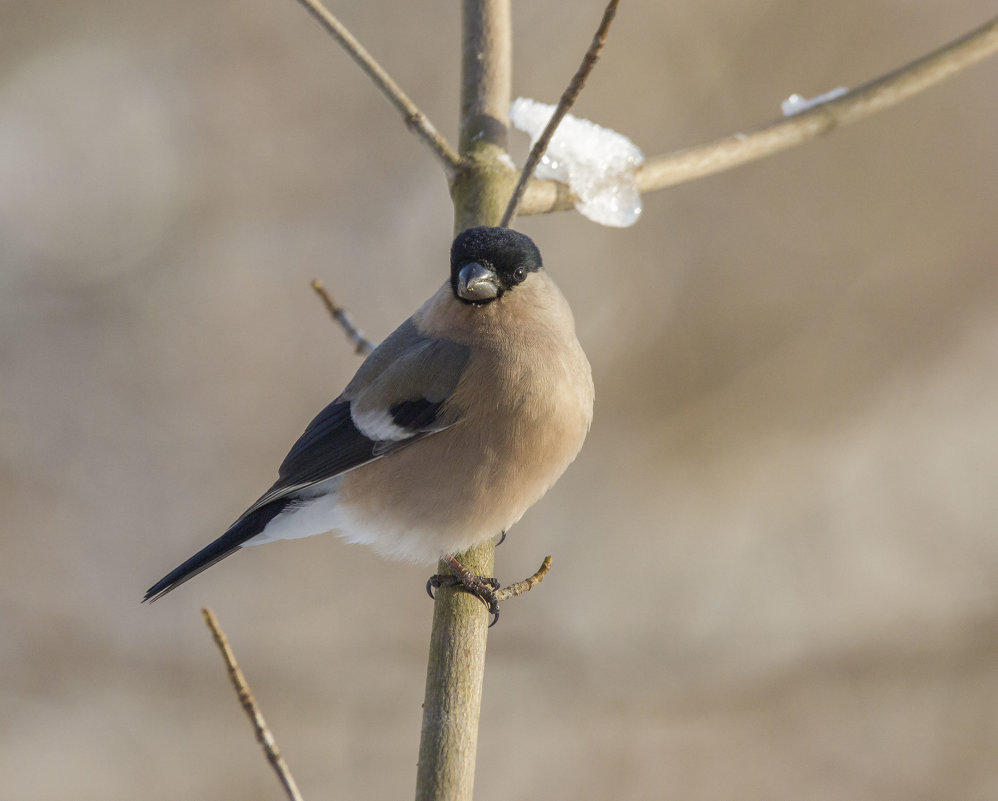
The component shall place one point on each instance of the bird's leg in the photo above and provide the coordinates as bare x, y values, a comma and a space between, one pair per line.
480, 586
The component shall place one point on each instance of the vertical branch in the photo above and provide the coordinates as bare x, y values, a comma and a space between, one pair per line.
454, 674
456, 664
480, 189
486, 72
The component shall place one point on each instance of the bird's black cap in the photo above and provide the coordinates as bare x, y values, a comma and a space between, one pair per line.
508, 253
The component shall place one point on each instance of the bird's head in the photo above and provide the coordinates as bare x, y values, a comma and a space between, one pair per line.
487, 262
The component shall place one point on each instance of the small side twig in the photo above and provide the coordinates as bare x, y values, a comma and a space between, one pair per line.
415, 119
361, 344
263, 734
670, 169
527, 584
568, 98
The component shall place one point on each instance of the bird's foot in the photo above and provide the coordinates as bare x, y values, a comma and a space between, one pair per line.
502, 538
482, 587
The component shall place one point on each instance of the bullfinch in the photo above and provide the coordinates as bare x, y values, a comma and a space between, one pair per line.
451, 429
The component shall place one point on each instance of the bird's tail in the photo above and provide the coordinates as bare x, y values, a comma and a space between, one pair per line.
245, 528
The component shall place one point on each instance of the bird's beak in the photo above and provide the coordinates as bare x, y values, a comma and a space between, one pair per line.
476, 282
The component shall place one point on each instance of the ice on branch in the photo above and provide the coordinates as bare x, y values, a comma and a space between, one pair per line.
597, 163
795, 104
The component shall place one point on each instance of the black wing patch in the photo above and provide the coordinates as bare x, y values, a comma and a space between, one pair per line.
416, 415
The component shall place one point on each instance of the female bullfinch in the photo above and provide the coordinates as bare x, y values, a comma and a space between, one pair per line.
452, 427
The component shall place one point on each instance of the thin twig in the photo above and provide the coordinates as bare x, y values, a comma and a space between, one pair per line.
527, 584
415, 119
361, 344
739, 148
263, 734
568, 98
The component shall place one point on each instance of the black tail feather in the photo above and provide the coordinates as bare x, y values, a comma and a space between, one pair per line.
242, 530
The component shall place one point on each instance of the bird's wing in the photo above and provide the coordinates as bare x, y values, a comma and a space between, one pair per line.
397, 397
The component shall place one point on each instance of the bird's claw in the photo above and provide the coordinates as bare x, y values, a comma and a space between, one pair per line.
482, 587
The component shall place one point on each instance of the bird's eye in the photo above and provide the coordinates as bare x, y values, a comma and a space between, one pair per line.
519, 274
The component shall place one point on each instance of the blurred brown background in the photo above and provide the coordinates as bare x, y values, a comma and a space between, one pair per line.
775, 561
